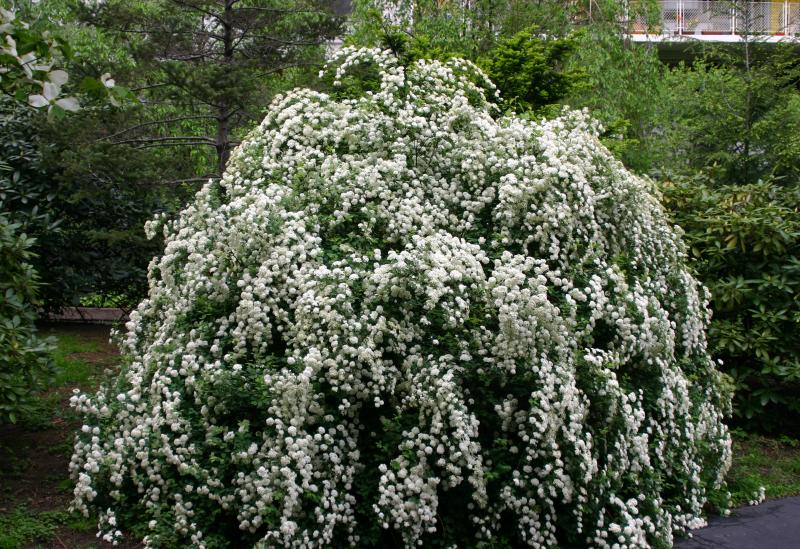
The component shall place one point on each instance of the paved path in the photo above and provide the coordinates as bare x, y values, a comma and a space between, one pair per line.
775, 524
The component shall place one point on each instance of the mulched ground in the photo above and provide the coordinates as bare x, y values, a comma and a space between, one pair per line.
34, 459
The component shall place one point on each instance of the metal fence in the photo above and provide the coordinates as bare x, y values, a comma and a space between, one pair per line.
721, 17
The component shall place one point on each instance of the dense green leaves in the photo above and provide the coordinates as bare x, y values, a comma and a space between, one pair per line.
624, 88
466, 29
736, 120
727, 153
746, 241
530, 72
85, 203
25, 364
216, 63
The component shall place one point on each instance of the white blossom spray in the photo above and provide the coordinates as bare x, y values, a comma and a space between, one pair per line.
402, 319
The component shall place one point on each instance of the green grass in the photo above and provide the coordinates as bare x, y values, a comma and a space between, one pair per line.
73, 370
773, 463
70, 371
22, 527
99, 300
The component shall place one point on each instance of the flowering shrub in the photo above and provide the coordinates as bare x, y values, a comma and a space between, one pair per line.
402, 320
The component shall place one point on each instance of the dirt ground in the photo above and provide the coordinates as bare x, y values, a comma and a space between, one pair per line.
34, 458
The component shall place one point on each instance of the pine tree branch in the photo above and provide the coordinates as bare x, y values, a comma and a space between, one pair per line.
182, 144
171, 140
282, 41
157, 122
196, 8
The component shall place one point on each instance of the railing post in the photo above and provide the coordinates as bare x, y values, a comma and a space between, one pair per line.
627, 17
733, 18
785, 28
680, 16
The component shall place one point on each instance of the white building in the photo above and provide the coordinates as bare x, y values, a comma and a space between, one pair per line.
719, 21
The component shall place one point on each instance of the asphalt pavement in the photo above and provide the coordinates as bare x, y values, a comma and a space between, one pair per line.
774, 524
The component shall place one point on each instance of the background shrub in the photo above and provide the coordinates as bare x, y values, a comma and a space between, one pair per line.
84, 204
25, 364
746, 243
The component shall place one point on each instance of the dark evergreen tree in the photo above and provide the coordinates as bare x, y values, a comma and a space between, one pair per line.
210, 67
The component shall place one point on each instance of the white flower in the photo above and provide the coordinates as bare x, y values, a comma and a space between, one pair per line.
405, 289
49, 97
107, 81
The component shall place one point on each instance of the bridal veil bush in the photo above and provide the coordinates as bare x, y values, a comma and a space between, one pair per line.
401, 319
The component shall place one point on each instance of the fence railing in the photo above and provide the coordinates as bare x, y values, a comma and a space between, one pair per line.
721, 17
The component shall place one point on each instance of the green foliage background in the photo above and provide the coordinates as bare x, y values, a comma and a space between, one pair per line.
25, 362
728, 163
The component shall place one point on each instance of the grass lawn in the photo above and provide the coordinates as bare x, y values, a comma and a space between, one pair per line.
773, 463
35, 489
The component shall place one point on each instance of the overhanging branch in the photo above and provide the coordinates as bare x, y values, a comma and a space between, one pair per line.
157, 122
172, 140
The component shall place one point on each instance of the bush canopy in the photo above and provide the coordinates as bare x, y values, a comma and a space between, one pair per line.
402, 319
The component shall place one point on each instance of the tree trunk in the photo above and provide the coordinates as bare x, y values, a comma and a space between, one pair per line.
223, 144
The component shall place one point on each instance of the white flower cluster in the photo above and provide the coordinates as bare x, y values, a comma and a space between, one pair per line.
758, 496
401, 318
